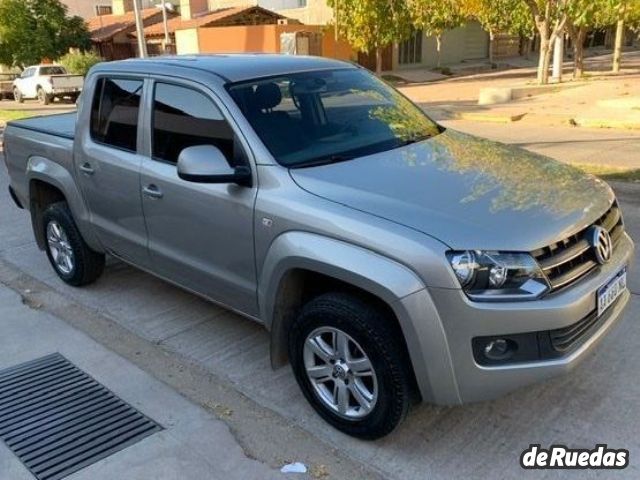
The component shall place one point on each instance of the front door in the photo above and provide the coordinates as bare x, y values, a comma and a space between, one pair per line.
200, 235
108, 169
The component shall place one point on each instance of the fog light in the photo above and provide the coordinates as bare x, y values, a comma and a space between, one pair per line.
499, 349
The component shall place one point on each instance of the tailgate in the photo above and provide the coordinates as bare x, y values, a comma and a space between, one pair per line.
67, 81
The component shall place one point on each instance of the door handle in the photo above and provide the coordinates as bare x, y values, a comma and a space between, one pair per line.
152, 191
87, 168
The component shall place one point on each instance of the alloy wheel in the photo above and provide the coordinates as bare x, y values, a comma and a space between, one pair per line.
60, 248
340, 372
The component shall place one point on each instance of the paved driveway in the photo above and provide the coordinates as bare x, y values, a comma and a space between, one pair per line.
597, 403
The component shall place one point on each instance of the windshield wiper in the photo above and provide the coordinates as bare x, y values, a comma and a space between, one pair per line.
324, 161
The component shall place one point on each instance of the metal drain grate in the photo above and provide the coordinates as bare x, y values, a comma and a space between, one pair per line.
57, 419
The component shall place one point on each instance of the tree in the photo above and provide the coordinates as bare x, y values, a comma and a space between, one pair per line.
550, 18
372, 25
434, 17
499, 16
625, 13
583, 16
32, 30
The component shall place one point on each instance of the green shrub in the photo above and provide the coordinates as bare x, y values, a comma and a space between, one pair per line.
79, 63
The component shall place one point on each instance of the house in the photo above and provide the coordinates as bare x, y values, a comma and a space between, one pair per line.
250, 29
469, 42
194, 21
90, 8
110, 34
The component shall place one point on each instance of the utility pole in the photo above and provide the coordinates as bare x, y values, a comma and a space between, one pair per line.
142, 42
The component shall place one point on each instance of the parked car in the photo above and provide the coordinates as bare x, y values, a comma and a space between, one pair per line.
391, 259
6, 85
46, 83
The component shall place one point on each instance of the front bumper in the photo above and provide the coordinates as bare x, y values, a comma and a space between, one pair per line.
461, 378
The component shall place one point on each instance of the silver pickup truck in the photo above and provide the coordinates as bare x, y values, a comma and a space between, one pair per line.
391, 259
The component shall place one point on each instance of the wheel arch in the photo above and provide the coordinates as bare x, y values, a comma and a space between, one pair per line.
300, 266
49, 182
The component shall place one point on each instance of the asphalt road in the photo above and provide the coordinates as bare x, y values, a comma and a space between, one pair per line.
597, 403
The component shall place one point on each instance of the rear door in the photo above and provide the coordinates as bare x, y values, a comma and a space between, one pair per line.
200, 235
108, 166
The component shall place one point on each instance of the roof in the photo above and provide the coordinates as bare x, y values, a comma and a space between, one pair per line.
231, 67
244, 15
105, 27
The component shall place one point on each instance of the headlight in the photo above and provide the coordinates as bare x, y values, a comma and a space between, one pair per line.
498, 276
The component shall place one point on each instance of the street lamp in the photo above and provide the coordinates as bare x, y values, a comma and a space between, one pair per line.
166, 7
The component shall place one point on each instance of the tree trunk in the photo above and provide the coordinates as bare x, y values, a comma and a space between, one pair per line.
578, 37
492, 45
439, 49
379, 61
544, 60
617, 49
545, 51
578, 53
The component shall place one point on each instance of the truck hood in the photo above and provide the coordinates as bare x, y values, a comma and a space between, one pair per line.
467, 192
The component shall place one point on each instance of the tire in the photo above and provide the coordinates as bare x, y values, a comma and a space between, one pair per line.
370, 336
85, 265
43, 97
17, 95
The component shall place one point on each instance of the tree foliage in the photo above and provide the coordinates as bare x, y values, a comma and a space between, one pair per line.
32, 30
79, 63
372, 25
503, 16
434, 17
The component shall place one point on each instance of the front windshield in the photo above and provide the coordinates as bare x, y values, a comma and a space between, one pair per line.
320, 117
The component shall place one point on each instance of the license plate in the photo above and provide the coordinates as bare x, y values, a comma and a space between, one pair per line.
609, 293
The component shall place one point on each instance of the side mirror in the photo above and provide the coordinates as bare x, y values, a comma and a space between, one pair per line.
207, 164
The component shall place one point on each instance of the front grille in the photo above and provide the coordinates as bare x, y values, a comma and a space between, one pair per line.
563, 339
568, 260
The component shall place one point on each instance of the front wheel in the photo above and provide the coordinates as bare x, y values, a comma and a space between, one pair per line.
69, 255
351, 365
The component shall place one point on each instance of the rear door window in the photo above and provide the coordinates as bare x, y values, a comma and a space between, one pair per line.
114, 112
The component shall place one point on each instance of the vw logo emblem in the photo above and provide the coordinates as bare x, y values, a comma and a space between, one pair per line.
601, 243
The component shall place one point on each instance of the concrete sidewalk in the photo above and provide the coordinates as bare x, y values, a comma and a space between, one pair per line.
193, 445
611, 101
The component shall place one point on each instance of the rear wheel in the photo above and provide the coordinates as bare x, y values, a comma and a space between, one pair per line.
71, 258
350, 364
17, 95
43, 97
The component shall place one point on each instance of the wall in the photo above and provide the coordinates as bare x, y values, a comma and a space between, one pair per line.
470, 42
187, 41
317, 12
258, 38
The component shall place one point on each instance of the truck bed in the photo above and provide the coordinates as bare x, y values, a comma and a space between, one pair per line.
60, 125
48, 138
